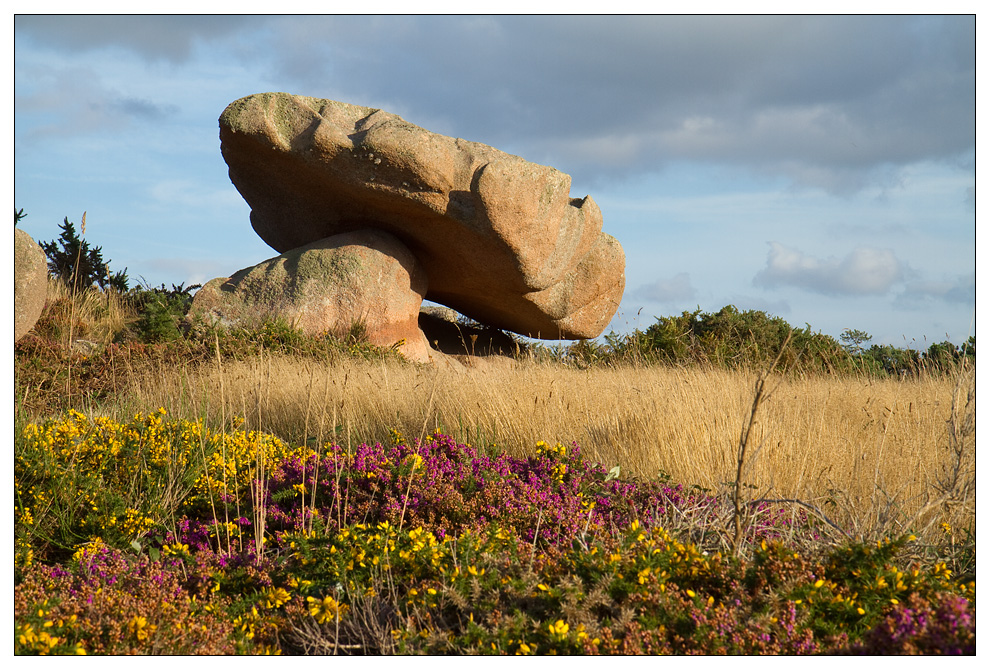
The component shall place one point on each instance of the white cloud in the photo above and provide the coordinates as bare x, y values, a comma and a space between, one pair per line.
864, 271
672, 290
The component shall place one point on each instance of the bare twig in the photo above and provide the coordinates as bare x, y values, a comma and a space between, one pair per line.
759, 395
795, 501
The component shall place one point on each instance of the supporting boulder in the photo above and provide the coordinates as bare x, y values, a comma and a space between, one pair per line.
364, 281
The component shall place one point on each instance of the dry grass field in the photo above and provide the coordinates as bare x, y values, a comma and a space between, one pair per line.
873, 454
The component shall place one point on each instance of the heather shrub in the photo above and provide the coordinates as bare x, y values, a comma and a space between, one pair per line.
105, 602
944, 625
159, 535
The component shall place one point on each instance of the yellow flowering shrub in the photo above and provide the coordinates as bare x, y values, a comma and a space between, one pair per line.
78, 477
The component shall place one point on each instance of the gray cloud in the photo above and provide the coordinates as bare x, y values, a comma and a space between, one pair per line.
74, 100
138, 108
825, 101
920, 294
864, 271
834, 102
674, 289
168, 38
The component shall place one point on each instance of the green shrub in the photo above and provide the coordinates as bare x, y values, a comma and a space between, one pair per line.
727, 338
72, 259
160, 311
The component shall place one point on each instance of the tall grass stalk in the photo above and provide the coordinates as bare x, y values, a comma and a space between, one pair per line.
759, 394
72, 311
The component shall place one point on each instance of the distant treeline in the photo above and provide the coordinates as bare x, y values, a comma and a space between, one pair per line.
731, 338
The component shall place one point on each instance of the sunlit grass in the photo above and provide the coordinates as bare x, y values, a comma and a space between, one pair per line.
857, 444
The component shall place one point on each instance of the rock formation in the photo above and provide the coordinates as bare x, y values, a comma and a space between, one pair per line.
365, 280
30, 283
498, 238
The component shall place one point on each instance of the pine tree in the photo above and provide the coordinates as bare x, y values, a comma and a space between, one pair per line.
72, 259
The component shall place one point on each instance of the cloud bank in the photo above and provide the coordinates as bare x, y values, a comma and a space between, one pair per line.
833, 102
864, 271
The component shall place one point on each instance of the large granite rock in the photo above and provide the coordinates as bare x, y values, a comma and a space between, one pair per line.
366, 279
500, 238
30, 283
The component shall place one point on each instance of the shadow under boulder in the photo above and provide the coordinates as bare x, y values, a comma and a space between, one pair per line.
447, 334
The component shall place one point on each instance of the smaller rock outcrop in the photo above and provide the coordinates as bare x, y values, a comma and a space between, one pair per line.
365, 280
30, 283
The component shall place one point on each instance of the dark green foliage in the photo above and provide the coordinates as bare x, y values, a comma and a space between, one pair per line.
730, 338
942, 357
279, 335
18, 215
161, 311
78, 264
889, 359
733, 339
946, 356
969, 348
853, 340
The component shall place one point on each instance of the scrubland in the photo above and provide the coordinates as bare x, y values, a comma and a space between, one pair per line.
301, 497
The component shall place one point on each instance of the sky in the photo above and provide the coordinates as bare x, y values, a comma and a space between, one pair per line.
818, 168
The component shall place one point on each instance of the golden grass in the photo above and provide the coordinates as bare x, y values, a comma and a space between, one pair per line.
874, 448
94, 314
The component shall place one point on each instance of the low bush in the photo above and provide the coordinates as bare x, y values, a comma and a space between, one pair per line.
160, 312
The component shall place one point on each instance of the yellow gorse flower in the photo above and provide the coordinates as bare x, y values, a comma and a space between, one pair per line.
139, 627
177, 549
276, 597
326, 609
559, 629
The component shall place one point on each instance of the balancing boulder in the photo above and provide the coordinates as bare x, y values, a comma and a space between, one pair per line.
498, 238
